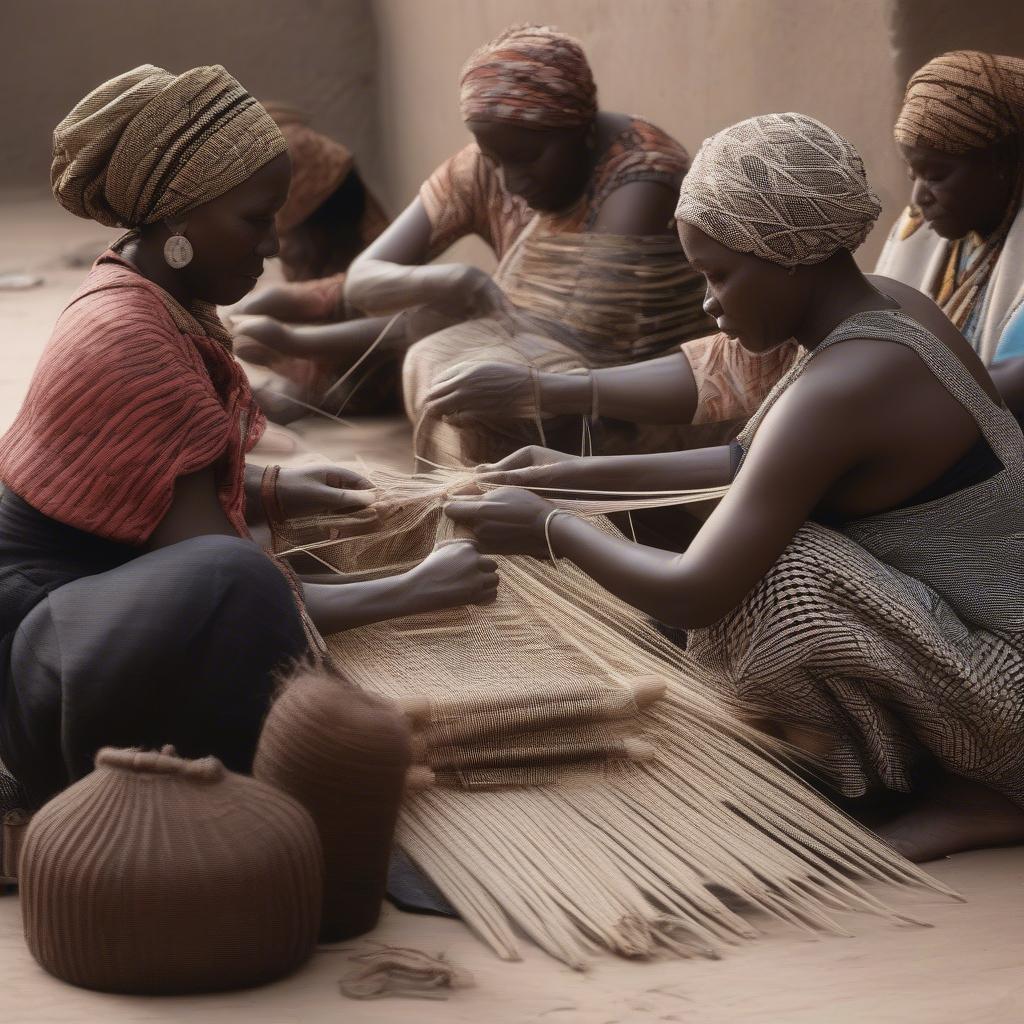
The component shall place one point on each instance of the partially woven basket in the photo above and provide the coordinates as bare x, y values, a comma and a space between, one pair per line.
158, 875
343, 755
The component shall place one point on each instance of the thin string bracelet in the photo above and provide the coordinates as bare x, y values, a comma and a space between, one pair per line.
538, 413
547, 530
590, 421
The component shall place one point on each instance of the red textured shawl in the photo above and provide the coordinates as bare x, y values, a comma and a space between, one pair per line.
122, 403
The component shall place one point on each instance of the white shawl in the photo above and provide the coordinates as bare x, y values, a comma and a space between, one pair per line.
919, 261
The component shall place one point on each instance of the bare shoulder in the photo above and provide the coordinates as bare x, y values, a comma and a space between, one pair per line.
861, 393
827, 419
917, 305
858, 373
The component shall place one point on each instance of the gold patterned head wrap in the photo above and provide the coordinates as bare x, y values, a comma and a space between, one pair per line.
149, 145
531, 75
963, 100
783, 187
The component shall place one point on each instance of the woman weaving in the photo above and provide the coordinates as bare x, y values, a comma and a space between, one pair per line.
575, 202
137, 610
855, 586
301, 329
961, 134
961, 241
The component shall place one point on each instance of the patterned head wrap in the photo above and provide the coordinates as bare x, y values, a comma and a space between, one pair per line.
963, 100
530, 75
319, 165
783, 187
148, 145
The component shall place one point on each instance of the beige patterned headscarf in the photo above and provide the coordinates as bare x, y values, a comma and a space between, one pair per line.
783, 187
148, 145
963, 100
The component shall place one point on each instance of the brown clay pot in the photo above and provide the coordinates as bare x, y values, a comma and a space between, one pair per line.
159, 875
343, 755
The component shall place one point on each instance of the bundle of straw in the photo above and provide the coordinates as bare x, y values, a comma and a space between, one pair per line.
532, 823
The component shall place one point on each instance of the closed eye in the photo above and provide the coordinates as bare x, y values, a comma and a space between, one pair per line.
930, 175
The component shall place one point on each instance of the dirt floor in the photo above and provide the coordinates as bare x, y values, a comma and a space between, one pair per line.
966, 969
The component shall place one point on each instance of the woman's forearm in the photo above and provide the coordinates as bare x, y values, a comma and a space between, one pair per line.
379, 287
647, 578
335, 607
693, 469
657, 391
279, 301
343, 342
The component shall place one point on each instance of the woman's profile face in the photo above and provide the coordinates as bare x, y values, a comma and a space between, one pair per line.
546, 167
757, 302
233, 234
959, 194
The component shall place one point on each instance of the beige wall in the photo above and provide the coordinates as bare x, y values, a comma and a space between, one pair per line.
317, 54
383, 74
922, 29
691, 66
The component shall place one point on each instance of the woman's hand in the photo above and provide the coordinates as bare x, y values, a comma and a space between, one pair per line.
464, 292
455, 574
532, 466
506, 521
487, 391
275, 301
325, 489
254, 334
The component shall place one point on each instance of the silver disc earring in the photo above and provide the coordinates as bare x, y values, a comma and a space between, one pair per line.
178, 252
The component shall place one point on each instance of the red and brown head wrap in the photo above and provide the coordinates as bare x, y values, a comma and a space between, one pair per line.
530, 75
319, 165
963, 100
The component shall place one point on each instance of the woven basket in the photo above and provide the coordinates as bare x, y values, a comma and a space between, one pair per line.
158, 875
343, 756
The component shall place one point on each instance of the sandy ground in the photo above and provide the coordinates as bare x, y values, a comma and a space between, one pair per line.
966, 969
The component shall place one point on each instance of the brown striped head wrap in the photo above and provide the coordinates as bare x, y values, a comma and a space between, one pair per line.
149, 145
963, 100
783, 187
531, 75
